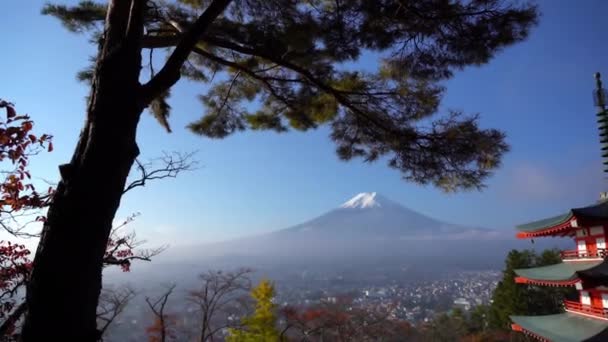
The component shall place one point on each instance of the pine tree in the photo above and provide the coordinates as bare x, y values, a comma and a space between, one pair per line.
286, 55
448, 327
478, 320
510, 298
261, 325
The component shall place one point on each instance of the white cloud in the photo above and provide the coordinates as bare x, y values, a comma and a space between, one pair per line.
535, 181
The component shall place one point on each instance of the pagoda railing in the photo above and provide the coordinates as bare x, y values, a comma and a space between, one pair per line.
576, 254
585, 309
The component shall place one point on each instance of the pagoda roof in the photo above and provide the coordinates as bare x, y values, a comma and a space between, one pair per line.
564, 327
562, 274
595, 213
598, 272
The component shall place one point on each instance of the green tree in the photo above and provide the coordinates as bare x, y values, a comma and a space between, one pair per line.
478, 319
549, 257
288, 56
510, 298
261, 325
447, 327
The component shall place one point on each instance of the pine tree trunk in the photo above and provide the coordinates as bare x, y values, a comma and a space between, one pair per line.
63, 291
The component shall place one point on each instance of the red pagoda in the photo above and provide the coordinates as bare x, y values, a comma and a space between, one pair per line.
585, 268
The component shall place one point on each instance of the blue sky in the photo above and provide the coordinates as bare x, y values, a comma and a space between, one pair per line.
538, 91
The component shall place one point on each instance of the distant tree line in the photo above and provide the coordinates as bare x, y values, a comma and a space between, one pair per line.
227, 313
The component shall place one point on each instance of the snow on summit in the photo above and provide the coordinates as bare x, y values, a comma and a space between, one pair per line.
362, 200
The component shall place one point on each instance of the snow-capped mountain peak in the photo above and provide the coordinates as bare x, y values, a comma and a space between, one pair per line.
362, 201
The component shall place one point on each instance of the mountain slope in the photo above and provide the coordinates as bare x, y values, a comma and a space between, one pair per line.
370, 215
366, 226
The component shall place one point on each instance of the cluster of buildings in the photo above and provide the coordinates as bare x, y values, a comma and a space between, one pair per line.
411, 301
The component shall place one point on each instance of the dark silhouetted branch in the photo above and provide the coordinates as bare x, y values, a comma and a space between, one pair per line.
170, 165
112, 303
158, 309
170, 72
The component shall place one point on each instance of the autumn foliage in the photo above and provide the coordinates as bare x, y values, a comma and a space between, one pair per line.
15, 267
261, 324
168, 323
344, 320
122, 248
17, 144
20, 200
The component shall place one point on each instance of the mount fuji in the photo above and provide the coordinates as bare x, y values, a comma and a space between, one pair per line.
367, 234
367, 227
369, 215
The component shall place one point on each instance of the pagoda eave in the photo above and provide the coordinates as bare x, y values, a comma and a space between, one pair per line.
519, 328
561, 274
561, 224
559, 229
563, 327
555, 283
567, 223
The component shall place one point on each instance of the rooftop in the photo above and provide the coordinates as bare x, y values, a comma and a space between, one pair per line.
564, 273
564, 327
561, 224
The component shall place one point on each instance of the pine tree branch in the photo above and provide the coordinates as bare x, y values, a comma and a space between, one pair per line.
135, 26
154, 41
166, 41
117, 22
265, 80
170, 72
339, 96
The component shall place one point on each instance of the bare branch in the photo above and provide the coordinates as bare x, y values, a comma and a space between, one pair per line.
122, 248
171, 165
158, 309
10, 322
219, 293
112, 302
151, 62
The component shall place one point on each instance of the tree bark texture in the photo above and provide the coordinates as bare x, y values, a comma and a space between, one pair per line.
65, 284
